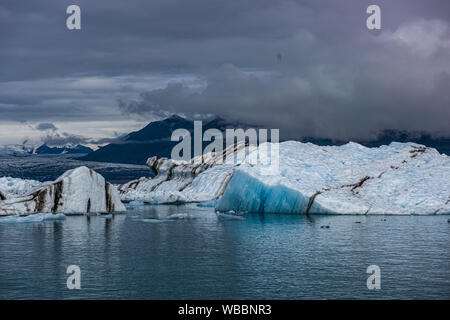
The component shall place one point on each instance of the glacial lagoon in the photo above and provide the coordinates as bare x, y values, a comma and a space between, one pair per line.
190, 252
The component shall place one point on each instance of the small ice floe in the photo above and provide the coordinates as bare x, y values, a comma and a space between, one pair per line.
107, 216
230, 215
152, 220
39, 217
160, 219
180, 216
134, 203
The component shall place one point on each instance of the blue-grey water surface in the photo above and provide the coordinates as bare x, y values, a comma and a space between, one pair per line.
188, 252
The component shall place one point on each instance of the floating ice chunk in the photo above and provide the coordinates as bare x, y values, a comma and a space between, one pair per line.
135, 203
203, 178
80, 190
402, 178
229, 216
180, 216
153, 220
39, 217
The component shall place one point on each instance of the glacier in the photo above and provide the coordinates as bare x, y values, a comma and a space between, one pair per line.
80, 190
400, 178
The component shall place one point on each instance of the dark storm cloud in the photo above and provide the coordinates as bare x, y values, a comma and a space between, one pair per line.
307, 67
46, 126
340, 102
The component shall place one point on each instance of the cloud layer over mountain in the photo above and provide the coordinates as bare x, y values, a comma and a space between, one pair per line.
307, 67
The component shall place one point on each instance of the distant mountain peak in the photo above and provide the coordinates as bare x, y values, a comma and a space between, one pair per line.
152, 140
78, 149
174, 117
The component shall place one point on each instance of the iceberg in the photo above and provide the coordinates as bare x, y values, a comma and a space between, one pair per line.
81, 190
203, 178
401, 178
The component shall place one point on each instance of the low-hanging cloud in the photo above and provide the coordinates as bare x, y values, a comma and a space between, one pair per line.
63, 139
56, 138
46, 126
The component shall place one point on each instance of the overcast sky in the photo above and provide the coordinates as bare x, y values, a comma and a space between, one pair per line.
308, 67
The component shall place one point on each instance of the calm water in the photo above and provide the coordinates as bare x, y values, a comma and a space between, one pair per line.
177, 252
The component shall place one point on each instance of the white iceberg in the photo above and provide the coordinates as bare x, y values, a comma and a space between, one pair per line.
401, 178
81, 190
203, 178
